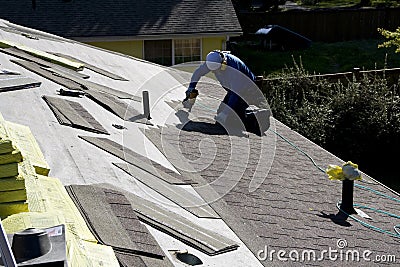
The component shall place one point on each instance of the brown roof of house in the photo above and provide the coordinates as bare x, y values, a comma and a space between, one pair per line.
123, 18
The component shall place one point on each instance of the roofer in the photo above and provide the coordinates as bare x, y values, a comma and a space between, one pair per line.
236, 78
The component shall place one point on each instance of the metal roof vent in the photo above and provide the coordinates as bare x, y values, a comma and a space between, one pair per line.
347, 174
146, 104
188, 258
30, 243
38, 247
347, 197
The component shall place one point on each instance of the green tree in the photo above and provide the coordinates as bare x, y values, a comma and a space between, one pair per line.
393, 38
365, 3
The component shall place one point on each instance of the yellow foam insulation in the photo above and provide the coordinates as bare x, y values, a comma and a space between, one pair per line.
7, 209
6, 146
12, 183
13, 157
24, 140
47, 203
44, 55
25, 181
12, 196
8, 170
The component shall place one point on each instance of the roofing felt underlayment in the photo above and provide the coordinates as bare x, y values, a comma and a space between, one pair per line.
94, 68
72, 81
22, 55
47, 73
137, 160
114, 105
26, 51
31, 33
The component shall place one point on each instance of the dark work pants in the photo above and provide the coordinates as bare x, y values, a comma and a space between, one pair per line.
236, 103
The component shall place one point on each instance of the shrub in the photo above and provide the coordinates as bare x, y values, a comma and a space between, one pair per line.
393, 38
358, 120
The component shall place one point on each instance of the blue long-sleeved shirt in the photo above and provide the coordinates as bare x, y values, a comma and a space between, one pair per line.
237, 77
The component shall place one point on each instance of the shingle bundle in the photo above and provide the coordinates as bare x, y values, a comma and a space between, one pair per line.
20, 162
31, 199
12, 184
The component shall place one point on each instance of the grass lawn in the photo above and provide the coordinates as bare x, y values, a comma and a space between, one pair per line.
322, 58
344, 3
327, 3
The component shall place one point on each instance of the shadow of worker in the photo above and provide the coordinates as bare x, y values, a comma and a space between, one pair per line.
235, 126
206, 126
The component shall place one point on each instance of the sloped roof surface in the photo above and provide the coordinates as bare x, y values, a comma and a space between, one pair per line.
267, 190
294, 207
86, 18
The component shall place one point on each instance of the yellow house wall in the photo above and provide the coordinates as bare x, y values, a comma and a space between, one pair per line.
212, 43
135, 47
132, 48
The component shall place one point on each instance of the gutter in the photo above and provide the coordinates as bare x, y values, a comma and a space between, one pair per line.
153, 36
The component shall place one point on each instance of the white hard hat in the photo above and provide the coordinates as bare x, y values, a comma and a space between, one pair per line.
213, 60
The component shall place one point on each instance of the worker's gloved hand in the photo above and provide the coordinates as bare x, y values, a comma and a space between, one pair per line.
191, 94
188, 91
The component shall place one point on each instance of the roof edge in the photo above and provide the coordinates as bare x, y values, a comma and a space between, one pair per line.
152, 37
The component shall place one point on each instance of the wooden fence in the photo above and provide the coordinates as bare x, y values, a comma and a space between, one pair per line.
328, 25
392, 76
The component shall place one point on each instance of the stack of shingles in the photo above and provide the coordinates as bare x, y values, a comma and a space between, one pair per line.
29, 199
12, 185
20, 162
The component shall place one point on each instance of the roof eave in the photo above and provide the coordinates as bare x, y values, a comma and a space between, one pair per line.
154, 36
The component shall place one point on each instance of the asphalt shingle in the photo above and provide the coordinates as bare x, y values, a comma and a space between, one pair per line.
294, 207
123, 18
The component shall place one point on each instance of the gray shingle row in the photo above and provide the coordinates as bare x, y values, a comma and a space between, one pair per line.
123, 18
295, 206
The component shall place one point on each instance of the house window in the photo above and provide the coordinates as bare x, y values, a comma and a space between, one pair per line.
186, 50
158, 51
170, 52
